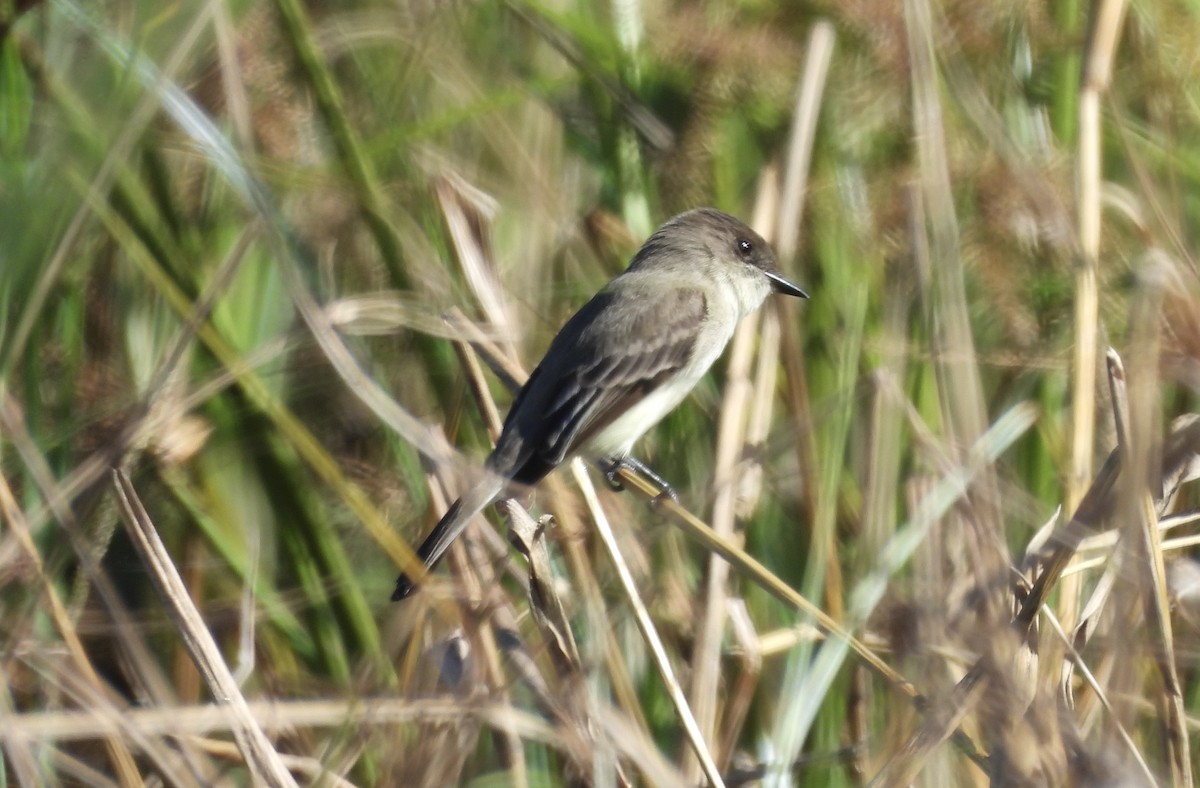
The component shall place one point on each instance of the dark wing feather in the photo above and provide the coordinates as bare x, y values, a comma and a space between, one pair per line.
581, 386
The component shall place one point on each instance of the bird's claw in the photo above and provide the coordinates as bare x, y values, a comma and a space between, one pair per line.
610, 475
612, 470
665, 495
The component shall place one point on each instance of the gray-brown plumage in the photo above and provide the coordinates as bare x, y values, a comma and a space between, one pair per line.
626, 359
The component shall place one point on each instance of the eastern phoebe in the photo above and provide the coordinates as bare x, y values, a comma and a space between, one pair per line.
626, 359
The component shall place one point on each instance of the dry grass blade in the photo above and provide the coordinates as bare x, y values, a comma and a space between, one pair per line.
735, 473
260, 756
144, 670
943, 717
754, 570
571, 704
122, 760
940, 723
188, 767
979, 554
483, 398
960, 388
430, 443
1178, 464
468, 212
1105, 26
309, 767
21, 756
814, 74
486, 637
750, 658
574, 709
1136, 412
546, 604
704, 691
1086, 672
282, 716
1086, 626
935, 229
646, 626
1095, 506
185, 722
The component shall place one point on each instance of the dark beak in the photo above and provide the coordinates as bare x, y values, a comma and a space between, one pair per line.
783, 286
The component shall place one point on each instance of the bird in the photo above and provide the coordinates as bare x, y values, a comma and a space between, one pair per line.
625, 360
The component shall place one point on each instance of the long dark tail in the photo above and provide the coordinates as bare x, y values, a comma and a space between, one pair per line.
448, 529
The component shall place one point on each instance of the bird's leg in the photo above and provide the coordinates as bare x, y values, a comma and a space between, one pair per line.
612, 467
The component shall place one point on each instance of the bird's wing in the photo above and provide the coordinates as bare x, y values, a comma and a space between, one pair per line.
600, 365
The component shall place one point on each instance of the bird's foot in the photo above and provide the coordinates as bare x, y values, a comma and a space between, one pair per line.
610, 469
613, 468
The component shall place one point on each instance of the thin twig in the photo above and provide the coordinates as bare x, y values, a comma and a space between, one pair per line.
646, 625
1086, 672
260, 756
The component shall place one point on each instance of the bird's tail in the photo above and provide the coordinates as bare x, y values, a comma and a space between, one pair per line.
448, 529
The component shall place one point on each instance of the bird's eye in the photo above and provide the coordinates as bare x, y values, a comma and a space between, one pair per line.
744, 247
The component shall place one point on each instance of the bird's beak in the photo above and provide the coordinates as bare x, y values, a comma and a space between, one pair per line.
783, 286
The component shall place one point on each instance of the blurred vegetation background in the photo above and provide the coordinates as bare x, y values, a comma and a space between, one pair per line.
252, 251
